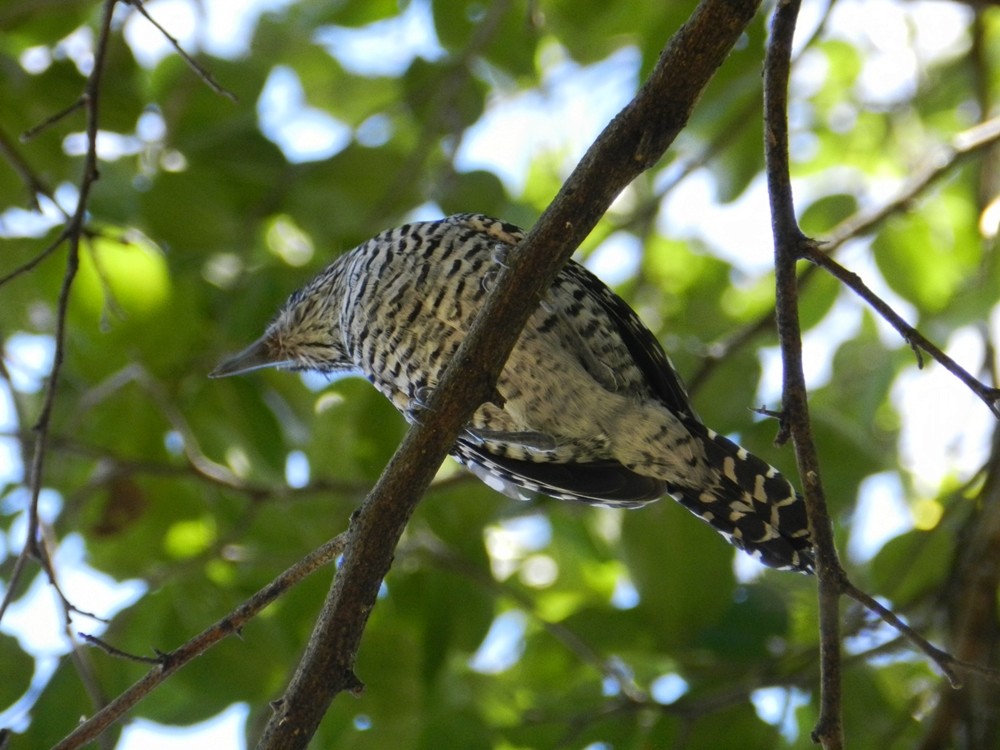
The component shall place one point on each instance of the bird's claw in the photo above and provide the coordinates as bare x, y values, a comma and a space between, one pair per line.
419, 403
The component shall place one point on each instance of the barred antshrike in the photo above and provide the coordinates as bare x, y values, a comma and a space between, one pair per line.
592, 409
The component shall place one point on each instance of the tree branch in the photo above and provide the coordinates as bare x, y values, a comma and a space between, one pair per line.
33, 184
789, 243
961, 146
207, 78
167, 664
72, 234
631, 143
987, 394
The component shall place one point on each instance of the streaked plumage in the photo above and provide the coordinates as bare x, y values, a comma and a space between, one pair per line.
592, 409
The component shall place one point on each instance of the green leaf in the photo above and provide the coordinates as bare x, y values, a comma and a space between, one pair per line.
18, 667
719, 729
912, 565
355, 14
822, 215
666, 549
757, 617
478, 188
58, 710
926, 257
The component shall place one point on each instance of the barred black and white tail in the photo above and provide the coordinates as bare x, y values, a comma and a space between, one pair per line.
751, 504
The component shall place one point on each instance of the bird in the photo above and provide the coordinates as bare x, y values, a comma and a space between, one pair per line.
590, 407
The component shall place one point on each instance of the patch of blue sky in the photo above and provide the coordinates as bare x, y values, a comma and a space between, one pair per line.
29, 360
36, 619
880, 514
386, 47
667, 688
945, 428
223, 29
22, 222
503, 645
625, 594
519, 127
10, 459
225, 730
297, 469
777, 706
617, 259
302, 132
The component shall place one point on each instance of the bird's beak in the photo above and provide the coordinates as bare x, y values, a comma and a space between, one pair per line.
254, 357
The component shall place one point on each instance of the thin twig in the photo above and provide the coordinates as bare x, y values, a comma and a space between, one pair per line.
51, 120
48, 541
107, 648
863, 221
199, 70
196, 457
945, 661
25, 267
695, 706
72, 233
32, 182
988, 395
168, 663
941, 164
20, 565
962, 145
36, 544
119, 466
24, 445
788, 244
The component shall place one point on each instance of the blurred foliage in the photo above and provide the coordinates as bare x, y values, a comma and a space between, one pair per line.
204, 220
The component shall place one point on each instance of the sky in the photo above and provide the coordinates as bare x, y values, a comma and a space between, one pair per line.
944, 428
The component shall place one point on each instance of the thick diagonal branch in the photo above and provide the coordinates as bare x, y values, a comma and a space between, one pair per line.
631, 143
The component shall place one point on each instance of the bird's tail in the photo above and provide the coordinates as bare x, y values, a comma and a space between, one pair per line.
750, 503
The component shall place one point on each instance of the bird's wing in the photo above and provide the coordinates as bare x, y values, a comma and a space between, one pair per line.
643, 350
595, 482
625, 359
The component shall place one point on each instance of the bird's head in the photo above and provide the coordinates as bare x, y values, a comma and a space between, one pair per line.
305, 335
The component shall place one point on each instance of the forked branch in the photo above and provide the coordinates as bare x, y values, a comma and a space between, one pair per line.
790, 246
